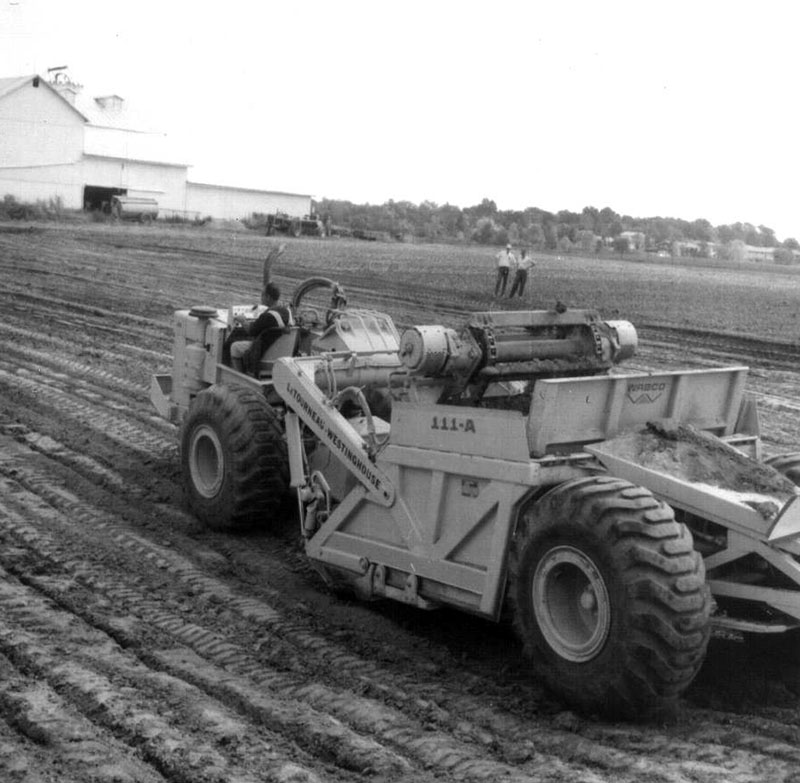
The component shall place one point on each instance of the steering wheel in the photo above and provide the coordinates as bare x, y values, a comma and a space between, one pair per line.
316, 302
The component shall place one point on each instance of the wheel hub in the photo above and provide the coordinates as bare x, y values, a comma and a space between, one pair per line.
206, 461
571, 604
588, 600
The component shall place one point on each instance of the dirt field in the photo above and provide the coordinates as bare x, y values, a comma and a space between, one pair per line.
137, 646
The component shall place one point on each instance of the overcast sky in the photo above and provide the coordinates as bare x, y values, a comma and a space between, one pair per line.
671, 108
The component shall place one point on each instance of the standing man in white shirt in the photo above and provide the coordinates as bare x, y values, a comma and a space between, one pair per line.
505, 260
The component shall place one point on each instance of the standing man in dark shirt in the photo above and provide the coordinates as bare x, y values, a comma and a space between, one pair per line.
263, 331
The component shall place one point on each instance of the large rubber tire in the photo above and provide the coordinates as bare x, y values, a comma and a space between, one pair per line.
788, 464
609, 598
234, 459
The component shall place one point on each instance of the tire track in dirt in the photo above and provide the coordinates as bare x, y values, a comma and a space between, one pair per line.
731, 347
84, 410
81, 320
133, 603
77, 749
126, 271
396, 728
185, 740
77, 375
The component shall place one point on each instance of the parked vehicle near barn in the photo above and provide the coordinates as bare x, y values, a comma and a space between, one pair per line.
138, 208
308, 225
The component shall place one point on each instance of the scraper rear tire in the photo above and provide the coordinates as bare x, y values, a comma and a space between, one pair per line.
609, 598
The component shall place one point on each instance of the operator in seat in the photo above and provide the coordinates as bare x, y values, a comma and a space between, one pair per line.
245, 354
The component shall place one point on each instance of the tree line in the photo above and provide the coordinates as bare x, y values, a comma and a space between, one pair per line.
537, 228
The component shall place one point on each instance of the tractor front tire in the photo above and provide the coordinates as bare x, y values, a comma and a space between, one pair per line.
609, 598
234, 459
788, 464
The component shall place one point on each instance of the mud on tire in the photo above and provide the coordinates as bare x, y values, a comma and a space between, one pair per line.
609, 597
233, 458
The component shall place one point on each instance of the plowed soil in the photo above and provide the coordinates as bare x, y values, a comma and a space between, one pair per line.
136, 645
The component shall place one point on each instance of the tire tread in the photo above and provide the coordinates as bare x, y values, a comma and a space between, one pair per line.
258, 479
664, 585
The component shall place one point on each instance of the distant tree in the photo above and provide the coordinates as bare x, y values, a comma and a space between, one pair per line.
569, 230
539, 228
538, 216
403, 230
571, 218
550, 235
533, 235
783, 255
484, 231
724, 252
487, 232
487, 208
620, 245
767, 237
509, 216
615, 227
606, 219
586, 240
701, 230
725, 234
737, 250
662, 230
590, 219
565, 244
752, 235
452, 219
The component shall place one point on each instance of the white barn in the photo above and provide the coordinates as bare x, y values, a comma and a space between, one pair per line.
57, 142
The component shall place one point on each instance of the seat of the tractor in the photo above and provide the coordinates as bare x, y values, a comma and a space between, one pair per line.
285, 345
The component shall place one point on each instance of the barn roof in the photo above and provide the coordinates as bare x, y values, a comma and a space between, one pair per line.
214, 186
105, 111
111, 111
154, 160
14, 83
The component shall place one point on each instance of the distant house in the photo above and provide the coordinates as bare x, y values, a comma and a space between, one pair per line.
636, 239
694, 249
752, 253
684, 248
59, 142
